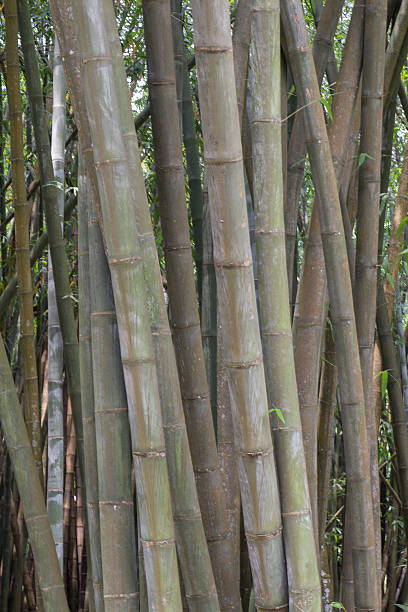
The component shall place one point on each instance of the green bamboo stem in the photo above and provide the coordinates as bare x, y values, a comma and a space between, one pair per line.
341, 302
127, 273
240, 46
55, 482
31, 494
238, 322
57, 247
7, 542
195, 394
264, 80
118, 545
94, 557
22, 245
322, 44
10, 291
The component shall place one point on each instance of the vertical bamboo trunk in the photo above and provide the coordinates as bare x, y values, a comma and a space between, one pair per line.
264, 79
396, 44
22, 217
93, 545
341, 302
238, 323
118, 545
55, 482
57, 246
31, 493
198, 414
126, 266
188, 129
365, 287
181, 289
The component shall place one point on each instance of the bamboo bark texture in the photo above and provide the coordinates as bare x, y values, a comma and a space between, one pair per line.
238, 323
126, 267
341, 303
265, 116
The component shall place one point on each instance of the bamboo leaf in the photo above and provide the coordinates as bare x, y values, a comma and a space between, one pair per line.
401, 227
362, 157
338, 605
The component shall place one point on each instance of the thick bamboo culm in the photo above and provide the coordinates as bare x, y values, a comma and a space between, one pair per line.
238, 323
126, 267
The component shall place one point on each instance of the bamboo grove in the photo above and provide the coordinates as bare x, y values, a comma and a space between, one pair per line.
204, 305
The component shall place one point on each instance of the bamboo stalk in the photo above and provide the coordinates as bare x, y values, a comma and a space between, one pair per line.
55, 481
264, 80
341, 301
126, 266
238, 323
113, 446
22, 247
30, 490
93, 547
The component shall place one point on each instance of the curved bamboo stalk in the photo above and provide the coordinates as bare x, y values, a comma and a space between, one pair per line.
238, 323
31, 494
341, 301
57, 246
93, 541
55, 481
185, 319
264, 79
127, 273
22, 219
118, 544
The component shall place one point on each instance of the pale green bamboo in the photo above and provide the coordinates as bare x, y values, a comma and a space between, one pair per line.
49, 190
113, 447
93, 541
238, 321
127, 273
31, 493
22, 219
265, 115
341, 303
395, 45
55, 470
